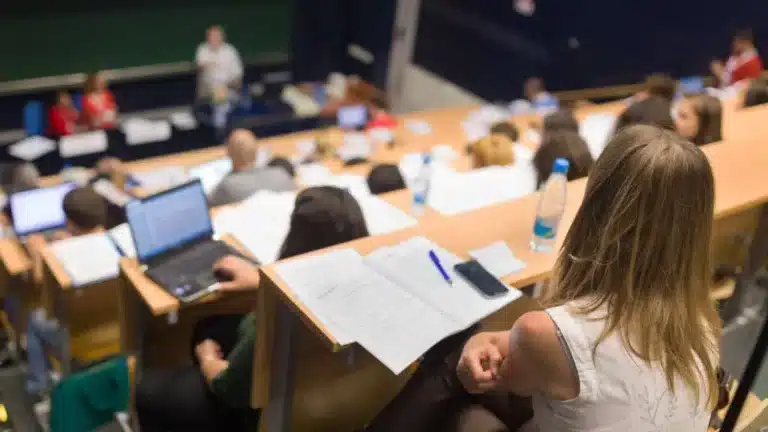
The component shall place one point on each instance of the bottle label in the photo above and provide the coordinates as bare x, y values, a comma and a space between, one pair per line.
543, 230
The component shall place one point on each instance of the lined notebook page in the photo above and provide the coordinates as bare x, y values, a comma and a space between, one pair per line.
87, 259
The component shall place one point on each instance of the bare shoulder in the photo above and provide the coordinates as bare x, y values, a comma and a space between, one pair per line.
535, 327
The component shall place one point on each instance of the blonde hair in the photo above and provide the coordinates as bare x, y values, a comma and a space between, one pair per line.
492, 151
639, 248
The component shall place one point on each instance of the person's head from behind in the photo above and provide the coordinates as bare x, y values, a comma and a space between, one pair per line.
385, 178
491, 150
504, 132
559, 120
653, 111
743, 41
214, 36
63, 99
22, 175
323, 216
86, 211
699, 118
95, 83
242, 148
284, 164
564, 144
661, 85
757, 93
532, 87
638, 252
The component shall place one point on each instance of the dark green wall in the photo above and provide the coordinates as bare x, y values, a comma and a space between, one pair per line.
86, 35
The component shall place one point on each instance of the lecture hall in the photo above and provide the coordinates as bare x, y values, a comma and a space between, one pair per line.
383, 216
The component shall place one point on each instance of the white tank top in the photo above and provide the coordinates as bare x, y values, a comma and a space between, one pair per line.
618, 391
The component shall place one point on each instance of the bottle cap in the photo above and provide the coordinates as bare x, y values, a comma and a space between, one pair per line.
427, 158
561, 166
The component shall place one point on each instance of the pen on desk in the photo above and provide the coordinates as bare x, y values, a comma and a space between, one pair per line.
439, 266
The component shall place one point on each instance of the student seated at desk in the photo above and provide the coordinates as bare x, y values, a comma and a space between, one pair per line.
385, 178
493, 150
17, 177
214, 395
743, 64
284, 164
653, 111
99, 107
699, 118
562, 144
246, 178
502, 132
561, 119
658, 84
757, 93
86, 213
629, 338
63, 117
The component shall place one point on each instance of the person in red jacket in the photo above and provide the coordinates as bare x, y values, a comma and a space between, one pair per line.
743, 64
63, 116
99, 108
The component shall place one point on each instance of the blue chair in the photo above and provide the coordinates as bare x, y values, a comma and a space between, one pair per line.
77, 100
34, 119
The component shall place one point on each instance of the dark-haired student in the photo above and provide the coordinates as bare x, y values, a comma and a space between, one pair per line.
757, 93
699, 118
385, 178
285, 164
744, 62
652, 111
562, 144
628, 339
661, 85
214, 394
561, 119
86, 213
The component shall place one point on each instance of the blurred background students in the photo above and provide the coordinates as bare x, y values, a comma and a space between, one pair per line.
537, 94
561, 119
744, 62
385, 178
661, 85
246, 178
99, 107
492, 150
654, 111
285, 164
63, 117
565, 144
757, 93
699, 118
220, 75
215, 393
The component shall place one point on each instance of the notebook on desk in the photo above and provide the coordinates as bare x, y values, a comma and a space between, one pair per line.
173, 236
39, 210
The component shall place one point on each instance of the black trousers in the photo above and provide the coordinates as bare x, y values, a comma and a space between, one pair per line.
179, 400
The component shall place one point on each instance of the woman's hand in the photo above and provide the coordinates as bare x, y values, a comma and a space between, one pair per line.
480, 363
241, 274
208, 350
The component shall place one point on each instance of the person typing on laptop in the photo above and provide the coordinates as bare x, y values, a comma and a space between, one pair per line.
246, 178
214, 394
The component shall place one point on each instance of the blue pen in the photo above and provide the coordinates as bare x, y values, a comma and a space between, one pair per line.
439, 266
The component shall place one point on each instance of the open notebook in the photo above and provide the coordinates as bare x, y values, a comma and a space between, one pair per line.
393, 301
88, 259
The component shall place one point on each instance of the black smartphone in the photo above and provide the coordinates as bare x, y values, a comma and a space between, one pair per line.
474, 273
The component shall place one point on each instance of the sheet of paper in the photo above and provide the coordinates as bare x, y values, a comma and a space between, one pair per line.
498, 259
444, 153
31, 148
409, 266
597, 129
356, 146
355, 184
161, 178
474, 130
305, 147
357, 304
140, 131
88, 258
381, 134
83, 144
313, 174
122, 237
183, 120
211, 173
111, 193
419, 127
382, 217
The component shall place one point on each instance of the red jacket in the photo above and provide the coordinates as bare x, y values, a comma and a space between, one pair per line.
742, 67
62, 120
99, 110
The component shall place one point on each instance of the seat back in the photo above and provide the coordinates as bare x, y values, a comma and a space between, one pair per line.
34, 123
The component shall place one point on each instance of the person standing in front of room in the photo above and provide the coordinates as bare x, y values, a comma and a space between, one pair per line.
99, 107
220, 74
743, 64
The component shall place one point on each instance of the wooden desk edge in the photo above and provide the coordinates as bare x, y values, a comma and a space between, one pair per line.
14, 258
52, 263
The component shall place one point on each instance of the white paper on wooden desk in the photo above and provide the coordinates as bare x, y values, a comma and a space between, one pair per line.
356, 146
31, 148
353, 183
140, 131
161, 178
418, 127
382, 217
381, 134
211, 173
122, 237
313, 174
498, 259
474, 130
596, 130
111, 193
305, 147
444, 153
183, 120
88, 258
83, 144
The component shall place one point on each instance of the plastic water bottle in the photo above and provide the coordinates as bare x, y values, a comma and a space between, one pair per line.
551, 207
420, 186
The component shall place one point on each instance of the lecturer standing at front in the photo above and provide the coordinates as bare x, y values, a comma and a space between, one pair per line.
220, 74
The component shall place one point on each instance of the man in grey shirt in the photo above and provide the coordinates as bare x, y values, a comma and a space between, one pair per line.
246, 178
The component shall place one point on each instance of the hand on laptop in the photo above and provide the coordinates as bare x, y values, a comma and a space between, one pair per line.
238, 273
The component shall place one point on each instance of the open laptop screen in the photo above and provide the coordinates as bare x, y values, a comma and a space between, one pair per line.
352, 116
168, 220
40, 209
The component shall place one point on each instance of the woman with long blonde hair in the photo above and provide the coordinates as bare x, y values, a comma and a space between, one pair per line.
629, 338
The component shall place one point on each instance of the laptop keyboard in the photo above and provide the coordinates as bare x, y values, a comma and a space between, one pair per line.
194, 265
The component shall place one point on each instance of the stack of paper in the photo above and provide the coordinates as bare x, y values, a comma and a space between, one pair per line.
596, 130
161, 178
87, 259
122, 237
140, 131
31, 148
183, 120
111, 193
83, 144
382, 217
393, 302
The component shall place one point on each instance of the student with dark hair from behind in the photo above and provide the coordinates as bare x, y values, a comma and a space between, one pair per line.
562, 144
214, 394
661, 85
385, 178
561, 119
699, 118
653, 111
86, 212
285, 164
757, 93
